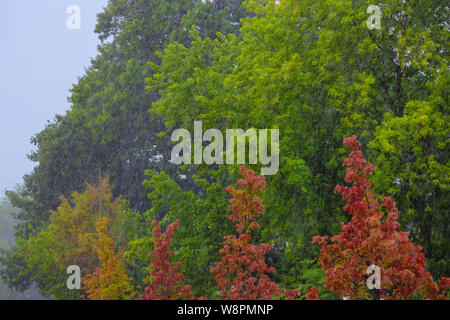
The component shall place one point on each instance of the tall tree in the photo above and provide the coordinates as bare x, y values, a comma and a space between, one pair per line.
108, 128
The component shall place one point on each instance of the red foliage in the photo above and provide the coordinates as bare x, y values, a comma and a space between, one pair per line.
312, 294
242, 273
444, 284
167, 283
371, 237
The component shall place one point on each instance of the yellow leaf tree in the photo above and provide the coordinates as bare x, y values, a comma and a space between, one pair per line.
72, 228
110, 281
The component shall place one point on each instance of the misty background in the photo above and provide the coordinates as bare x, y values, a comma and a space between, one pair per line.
40, 59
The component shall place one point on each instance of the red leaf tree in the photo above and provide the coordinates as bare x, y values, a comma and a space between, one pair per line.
242, 273
167, 280
371, 238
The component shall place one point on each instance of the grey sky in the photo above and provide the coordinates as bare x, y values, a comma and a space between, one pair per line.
40, 59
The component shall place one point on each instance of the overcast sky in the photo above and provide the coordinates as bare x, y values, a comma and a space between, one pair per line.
40, 59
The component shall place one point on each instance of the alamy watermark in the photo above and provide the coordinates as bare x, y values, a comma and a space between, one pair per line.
374, 281
236, 140
74, 280
374, 21
74, 20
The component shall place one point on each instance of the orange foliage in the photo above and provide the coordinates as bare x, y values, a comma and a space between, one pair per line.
110, 281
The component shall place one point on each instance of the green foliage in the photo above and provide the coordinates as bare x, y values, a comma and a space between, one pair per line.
413, 153
315, 71
7, 241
